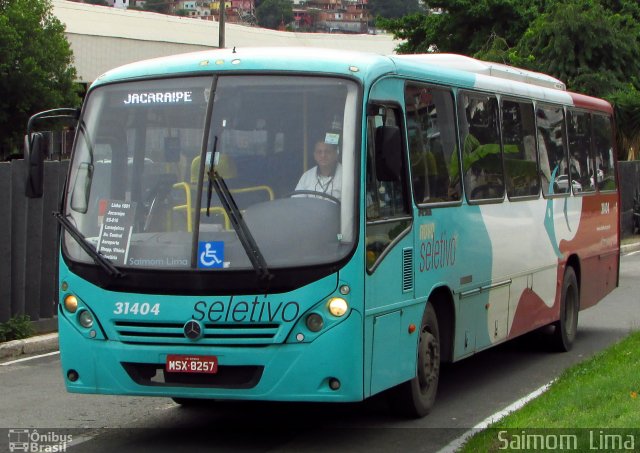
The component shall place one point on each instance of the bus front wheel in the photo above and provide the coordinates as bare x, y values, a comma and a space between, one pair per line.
416, 397
567, 326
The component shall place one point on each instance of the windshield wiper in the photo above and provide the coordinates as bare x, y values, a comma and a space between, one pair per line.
210, 172
98, 258
235, 217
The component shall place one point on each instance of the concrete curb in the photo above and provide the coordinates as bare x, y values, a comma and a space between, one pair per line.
624, 249
40, 344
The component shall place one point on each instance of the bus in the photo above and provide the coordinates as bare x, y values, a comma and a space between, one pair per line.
450, 205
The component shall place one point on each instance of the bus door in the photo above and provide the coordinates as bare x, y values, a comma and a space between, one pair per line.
389, 252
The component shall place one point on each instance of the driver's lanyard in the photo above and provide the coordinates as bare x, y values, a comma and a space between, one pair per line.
324, 187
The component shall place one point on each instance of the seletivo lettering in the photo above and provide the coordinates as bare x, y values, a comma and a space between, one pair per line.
167, 97
243, 311
437, 251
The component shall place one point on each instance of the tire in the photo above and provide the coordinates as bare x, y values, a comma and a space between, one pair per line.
415, 398
566, 327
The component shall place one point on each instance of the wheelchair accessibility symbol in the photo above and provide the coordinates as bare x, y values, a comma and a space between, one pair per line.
211, 254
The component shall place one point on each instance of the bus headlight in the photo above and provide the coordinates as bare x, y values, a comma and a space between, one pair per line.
318, 319
85, 318
71, 303
338, 306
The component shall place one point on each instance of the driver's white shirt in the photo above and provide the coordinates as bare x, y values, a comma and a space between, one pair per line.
331, 185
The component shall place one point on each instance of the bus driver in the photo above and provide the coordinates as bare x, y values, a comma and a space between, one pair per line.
326, 176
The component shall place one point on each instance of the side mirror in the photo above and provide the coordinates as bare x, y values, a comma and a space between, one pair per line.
35, 147
35, 161
388, 153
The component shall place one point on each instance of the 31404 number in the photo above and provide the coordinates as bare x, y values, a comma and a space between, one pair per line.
136, 308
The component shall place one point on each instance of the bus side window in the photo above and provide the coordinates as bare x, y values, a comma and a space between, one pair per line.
580, 162
387, 207
481, 151
385, 197
519, 149
552, 145
603, 147
431, 129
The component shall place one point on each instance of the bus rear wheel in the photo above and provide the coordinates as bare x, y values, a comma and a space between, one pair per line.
415, 398
566, 327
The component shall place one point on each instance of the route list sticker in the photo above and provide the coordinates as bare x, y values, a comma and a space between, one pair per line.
115, 232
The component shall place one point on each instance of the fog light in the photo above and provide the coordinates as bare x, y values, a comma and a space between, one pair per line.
73, 375
85, 318
334, 384
71, 303
338, 306
315, 322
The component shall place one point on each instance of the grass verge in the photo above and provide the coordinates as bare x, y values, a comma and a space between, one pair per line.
601, 393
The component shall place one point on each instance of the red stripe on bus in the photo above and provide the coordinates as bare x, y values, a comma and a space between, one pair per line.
588, 102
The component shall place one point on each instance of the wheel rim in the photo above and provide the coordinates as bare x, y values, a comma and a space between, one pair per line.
429, 361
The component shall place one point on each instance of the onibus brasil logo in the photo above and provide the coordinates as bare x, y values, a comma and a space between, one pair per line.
31, 440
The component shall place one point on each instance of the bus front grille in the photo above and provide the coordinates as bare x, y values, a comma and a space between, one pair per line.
214, 334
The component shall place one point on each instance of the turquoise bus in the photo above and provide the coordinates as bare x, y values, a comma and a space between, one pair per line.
315, 225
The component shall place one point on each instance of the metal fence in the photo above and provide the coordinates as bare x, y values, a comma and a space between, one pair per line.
28, 238
629, 175
28, 256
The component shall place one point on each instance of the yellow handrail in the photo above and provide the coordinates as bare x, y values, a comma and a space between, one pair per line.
189, 209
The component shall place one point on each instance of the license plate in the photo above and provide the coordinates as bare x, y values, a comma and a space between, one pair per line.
191, 364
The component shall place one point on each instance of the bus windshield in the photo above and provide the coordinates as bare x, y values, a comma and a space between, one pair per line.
146, 152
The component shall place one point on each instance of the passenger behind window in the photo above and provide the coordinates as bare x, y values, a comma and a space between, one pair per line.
481, 153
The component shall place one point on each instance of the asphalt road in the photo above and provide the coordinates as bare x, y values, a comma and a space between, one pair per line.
32, 395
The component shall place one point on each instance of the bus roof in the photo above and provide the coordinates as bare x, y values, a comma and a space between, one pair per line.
456, 70
496, 77
276, 59
501, 71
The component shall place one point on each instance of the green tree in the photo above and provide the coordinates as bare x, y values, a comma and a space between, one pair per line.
592, 49
462, 26
392, 9
627, 7
36, 71
627, 112
272, 13
592, 45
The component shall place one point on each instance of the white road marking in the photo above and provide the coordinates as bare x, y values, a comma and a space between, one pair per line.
456, 444
26, 359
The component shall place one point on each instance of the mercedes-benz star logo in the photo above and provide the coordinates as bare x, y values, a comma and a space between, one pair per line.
192, 329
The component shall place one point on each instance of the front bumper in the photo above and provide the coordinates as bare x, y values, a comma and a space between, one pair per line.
276, 372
